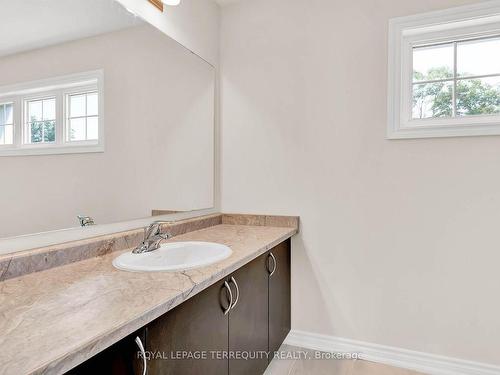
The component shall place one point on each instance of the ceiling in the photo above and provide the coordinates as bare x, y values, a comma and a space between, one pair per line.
32, 24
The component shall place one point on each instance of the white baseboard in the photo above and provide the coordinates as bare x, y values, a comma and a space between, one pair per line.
423, 362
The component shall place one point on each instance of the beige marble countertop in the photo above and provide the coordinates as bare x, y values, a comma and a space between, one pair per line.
53, 320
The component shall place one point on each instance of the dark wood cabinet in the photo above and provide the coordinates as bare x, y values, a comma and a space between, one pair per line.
207, 334
279, 295
197, 327
248, 326
121, 358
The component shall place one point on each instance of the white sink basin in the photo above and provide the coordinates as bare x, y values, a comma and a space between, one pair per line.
174, 256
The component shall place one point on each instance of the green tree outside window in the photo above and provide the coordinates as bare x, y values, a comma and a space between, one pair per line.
473, 96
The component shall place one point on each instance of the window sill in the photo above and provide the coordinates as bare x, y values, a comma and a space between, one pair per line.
51, 150
437, 129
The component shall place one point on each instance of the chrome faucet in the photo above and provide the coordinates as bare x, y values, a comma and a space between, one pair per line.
152, 238
85, 221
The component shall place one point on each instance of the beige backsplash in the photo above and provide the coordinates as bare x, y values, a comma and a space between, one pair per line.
22, 263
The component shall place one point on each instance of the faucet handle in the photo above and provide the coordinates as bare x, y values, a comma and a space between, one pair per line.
152, 237
85, 221
151, 230
154, 229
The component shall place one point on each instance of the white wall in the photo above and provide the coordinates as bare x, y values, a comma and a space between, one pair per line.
159, 110
193, 23
399, 242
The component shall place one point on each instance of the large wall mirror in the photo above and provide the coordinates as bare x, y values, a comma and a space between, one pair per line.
103, 118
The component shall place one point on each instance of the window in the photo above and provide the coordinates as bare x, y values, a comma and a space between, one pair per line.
83, 120
40, 121
456, 79
444, 73
6, 124
52, 116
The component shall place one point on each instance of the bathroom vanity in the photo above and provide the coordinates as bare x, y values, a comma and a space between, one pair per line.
207, 333
81, 316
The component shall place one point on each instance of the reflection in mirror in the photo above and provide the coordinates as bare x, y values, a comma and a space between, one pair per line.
103, 118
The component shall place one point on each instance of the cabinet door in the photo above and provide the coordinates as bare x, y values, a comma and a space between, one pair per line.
197, 327
279, 295
120, 359
248, 319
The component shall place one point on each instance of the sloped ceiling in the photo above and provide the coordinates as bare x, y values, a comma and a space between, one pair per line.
31, 24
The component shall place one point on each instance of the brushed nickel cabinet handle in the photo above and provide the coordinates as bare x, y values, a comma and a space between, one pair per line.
228, 289
141, 348
237, 293
274, 264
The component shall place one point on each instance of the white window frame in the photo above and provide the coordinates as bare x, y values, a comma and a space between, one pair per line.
25, 131
405, 33
58, 87
10, 101
66, 111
